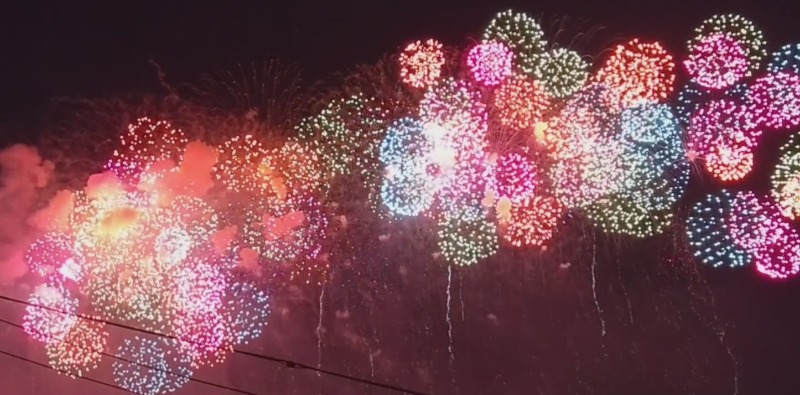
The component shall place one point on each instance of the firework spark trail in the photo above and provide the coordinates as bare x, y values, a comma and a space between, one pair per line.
319, 331
624, 290
449, 323
594, 288
461, 294
371, 364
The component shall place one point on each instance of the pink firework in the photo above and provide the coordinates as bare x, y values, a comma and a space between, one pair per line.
722, 133
513, 176
51, 313
755, 223
775, 99
717, 61
54, 253
490, 63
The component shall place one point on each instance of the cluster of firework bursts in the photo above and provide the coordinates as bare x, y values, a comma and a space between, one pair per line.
179, 236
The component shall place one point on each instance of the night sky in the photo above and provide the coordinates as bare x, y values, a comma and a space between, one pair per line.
529, 323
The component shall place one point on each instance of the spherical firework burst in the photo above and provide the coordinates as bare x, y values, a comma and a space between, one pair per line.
405, 141
145, 143
246, 309
467, 237
520, 102
532, 222
786, 178
157, 367
198, 324
54, 253
407, 188
739, 29
651, 124
692, 97
522, 34
465, 186
454, 105
50, 314
421, 63
722, 134
717, 61
590, 168
756, 225
775, 100
293, 167
345, 134
638, 72
787, 58
562, 72
513, 176
81, 349
730, 160
645, 209
238, 163
490, 63
709, 238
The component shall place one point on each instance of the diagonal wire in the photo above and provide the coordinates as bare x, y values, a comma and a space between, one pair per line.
190, 378
286, 362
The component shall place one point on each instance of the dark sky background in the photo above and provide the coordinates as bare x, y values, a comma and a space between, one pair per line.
533, 331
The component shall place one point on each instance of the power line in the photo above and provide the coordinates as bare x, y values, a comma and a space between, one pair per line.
286, 362
21, 358
190, 378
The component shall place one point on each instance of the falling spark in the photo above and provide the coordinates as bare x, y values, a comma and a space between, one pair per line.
319, 331
594, 289
461, 294
449, 323
624, 291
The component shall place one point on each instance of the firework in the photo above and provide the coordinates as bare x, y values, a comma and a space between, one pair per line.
738, 29
513, 176
54, 253
709, 238
721, 133
775, 100
490, 63
80, 350
638, 72
692, 97
467, 237
717, 61
344, 135
645, 209
562, 72
756, 225
51, 322
522, 34
786, 178
787, 58
156, 367
293, 167
407, 188
238, 163
146, 143
520, 102
245, 309
421, 63
532, 222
